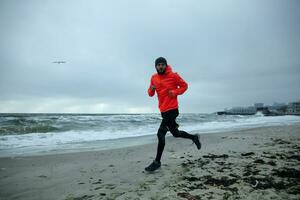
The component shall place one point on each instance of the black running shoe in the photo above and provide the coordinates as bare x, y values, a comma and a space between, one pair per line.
153, 166
196, 140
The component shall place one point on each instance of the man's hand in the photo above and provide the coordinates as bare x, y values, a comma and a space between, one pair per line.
152, 87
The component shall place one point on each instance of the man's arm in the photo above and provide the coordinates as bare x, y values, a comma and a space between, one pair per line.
151, 89
182, 85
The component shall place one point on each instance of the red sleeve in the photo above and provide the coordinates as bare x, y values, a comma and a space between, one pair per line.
151, 92
182, 85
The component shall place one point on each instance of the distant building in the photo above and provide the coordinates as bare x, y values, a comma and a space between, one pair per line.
278, 108
259, 106
251, 110
293, 108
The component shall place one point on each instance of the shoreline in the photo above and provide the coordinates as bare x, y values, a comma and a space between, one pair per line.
109, 144
229, 165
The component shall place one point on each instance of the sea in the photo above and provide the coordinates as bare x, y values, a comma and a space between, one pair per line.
39, 134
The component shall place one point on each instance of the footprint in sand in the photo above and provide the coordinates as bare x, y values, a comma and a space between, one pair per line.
43, 176
110, 186
98, 182
98, 188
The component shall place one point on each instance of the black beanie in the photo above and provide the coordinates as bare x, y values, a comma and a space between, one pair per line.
160, 60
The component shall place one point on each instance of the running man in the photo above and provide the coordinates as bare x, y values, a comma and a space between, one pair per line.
167, 85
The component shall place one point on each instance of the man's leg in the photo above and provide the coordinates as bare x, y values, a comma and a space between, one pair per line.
161, 134
173, 127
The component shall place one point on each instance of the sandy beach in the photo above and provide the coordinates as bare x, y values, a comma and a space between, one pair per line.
259, 163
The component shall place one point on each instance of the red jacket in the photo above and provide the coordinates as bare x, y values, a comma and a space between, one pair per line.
167, 86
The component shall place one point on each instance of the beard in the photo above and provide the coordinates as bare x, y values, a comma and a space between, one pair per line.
162, 71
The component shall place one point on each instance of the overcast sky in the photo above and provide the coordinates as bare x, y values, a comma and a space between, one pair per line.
231, 53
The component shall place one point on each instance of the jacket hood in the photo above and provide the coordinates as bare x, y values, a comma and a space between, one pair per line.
168, 68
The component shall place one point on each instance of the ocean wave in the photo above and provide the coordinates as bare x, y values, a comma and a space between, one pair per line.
56, 131
18, 130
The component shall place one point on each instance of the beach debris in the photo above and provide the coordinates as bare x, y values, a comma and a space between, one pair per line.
269, 156
287, 173
187, 195
98, 182
267, 182
272, 163
275, 170
213, 156
110, 186
174, 156
223, 181
234, 175
248, 173
256, 183
209, 180
294, 189
248, 154
281, 155
42, 176
296, 157
187, 163
191, 178
220, 163
250, 170
259, 161
84, 197
280, 141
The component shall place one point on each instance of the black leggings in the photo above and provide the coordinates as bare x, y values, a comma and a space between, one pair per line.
169, 124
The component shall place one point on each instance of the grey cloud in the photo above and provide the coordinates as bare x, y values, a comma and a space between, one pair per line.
230, 52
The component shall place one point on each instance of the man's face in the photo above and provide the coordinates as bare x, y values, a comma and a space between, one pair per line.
161, 68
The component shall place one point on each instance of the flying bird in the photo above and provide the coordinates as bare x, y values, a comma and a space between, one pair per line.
59, 62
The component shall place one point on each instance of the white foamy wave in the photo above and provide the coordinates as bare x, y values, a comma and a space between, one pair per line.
68, 137
242, 123
88, 130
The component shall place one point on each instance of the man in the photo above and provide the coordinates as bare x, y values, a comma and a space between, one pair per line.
167, 85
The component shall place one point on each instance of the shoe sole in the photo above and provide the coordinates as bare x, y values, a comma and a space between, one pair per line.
150, 172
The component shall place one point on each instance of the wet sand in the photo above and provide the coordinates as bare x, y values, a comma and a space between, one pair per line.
259, 163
